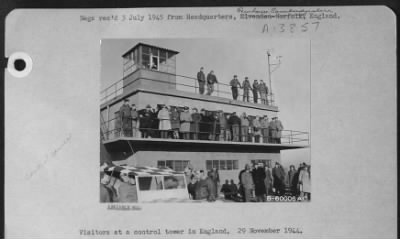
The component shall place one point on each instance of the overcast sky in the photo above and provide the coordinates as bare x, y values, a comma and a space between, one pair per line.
243, 57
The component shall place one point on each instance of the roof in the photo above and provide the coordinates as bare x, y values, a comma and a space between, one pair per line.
138, 171
152, 46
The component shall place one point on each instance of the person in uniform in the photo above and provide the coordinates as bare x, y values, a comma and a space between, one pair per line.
134, 117
125, 117
257, 129
214, 131
201, 78
185, 118
211, 80
235, 84
272, 131
255, 91
164, 121
195, 124
246, 89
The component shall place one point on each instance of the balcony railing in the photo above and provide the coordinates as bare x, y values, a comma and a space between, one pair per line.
213, 132
183, 83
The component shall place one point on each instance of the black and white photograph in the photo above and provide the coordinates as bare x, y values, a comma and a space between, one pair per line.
205, 120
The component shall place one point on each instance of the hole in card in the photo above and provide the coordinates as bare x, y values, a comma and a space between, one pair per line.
19, 64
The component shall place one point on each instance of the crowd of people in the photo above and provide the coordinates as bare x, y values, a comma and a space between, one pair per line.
259, 89
256, 182
181, 123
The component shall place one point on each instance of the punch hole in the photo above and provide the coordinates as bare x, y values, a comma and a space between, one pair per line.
19, 64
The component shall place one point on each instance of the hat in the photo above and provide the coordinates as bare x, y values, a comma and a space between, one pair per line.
235, 76
148, 106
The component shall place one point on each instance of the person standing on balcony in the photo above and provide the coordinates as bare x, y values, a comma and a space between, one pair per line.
278, 127
234, 86
228, 128
246, 89
255, 90
185, 118
272, 131
201, 78
145, 121
211, 80
204, 125
134, 117
195, 124
245, 127
263, 92
125, 116
164, 121
265, 128
234, 120
214, 132
257, 129
175, 122
222, 125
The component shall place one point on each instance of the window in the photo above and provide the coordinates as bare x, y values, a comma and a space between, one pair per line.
222, 164
150, 183
266, 162
177, 165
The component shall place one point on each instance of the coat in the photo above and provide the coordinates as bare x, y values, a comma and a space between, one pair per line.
165, 121
235, 83
291, 175
146, 118
246, 85
201, 77
304, 178
125, 114
279, 128
268, 177
134, 116
175, 120
272, 129
259, 177
247, 179
211, 79
205, 189
185, 118
195, 124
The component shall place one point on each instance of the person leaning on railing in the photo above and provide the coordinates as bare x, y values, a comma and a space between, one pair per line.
235, 84
211, 80
255, 91
246, 89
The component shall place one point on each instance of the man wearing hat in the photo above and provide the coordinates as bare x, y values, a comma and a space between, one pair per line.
146, 117
234, 86
201, 78
246, 89
125, 117
195, 124
185, 118
272, 131
211, 80
263, 92
279, 128
255, 91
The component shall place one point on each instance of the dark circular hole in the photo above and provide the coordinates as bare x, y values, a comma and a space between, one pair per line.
19, 64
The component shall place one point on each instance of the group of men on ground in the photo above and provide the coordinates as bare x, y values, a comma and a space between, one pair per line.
171, 122
258, 89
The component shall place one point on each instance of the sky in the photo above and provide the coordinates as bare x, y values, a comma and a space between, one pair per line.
241, 57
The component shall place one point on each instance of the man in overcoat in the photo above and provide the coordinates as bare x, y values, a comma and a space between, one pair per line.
201, 78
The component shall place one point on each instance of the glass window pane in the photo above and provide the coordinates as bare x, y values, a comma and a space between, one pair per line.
215, 164
163, 54
174, 182
178, 166
235, 164
146, 61
208, 164
222, 164
160, 164
150, 183
229, 165
169, 164
145, 50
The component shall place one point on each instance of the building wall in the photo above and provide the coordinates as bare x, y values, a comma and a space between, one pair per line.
198, 160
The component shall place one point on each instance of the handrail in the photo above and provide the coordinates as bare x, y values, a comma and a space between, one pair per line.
224, 92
